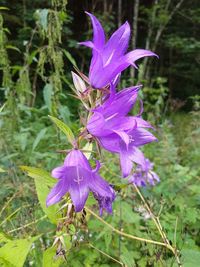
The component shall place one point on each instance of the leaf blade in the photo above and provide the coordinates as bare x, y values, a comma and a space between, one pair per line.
43, 183
64, 128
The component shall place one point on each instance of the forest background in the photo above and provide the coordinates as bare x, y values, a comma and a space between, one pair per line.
39, 49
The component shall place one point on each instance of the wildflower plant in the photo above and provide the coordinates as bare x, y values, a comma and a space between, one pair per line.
107, 126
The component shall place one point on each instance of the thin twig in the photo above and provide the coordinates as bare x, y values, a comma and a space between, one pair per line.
105, 254
8, 202
159, 227
13, 213
125, 234
26, 225
175, 231
154, 218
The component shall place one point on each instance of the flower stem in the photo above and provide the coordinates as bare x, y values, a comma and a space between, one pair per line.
27, 225
105, 254
125, 234
159, 227
154, 218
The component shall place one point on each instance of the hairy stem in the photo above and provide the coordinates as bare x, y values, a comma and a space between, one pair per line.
125, 234
27, 225
153, 217
159, 227
105, 254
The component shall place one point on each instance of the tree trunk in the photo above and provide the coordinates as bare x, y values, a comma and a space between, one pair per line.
148, 40
159, 33
119, 17
134, 36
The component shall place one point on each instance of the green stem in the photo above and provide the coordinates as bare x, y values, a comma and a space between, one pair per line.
125, 234
159, 227
105, 254
26, 225
154, 218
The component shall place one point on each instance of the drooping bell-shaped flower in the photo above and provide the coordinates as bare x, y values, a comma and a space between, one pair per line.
129, 152
144, 175
119, 133
77, 178
109, 58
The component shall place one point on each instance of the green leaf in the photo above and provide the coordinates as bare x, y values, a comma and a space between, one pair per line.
49, 258
70, 58
87, 150
13, 48
128, 215
15, 251
127, 259
4, 237
22, 139
191, 215
4, 8
108, 239
32, 56
43, 183
64, 113
2, 107
190, 258
2, 170
64, 128
47, 94
39, 137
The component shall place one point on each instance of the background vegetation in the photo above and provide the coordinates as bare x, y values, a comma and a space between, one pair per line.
38, 49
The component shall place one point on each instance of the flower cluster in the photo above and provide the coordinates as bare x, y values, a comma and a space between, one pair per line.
108, 123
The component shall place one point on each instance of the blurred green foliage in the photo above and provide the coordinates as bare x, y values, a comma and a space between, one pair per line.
38, 49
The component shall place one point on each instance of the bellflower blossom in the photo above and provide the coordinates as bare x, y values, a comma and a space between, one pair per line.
110, 58
119, 133
144, 175
77, 177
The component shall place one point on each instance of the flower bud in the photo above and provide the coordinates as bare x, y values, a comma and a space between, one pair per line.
79, 84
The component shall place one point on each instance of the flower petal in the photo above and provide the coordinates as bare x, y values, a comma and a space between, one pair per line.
58, 172
77, 158
89, 44
96, 72
141, 137
103, 192
126, 164
98, 32
96, 124
142, 123
136, 54
98, 166
110, 71
79, 194
110, 142
127, 156
120, 102
117, 44
124, 136
105, 75
137, 156
57, 192
155, 176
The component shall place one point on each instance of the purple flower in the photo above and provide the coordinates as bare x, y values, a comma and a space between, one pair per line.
77, 177
128, 152
119, 133
110, 117
144, 175
109, 58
